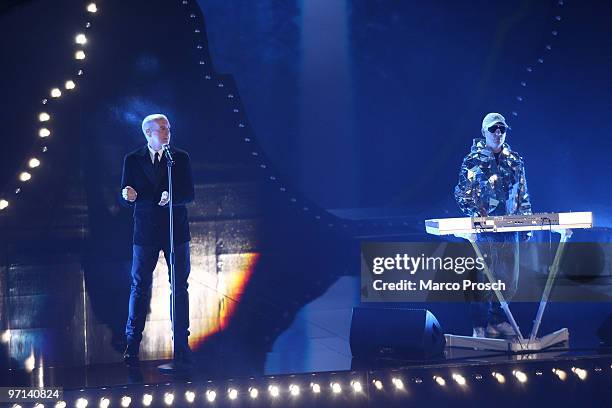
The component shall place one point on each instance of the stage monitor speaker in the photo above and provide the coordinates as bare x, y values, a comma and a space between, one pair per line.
395, 333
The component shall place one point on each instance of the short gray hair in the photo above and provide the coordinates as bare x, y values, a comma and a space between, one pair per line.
151, 118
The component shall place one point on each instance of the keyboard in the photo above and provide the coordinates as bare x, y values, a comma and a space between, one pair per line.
510, 223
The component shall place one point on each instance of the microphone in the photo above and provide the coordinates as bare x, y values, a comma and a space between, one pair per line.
168, 153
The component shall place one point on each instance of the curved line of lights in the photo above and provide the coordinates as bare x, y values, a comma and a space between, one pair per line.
45, 117
554, 33
364, 385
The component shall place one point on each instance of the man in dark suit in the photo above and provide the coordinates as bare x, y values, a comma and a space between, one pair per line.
145, 187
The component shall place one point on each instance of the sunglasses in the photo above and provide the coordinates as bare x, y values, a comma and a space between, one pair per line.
494, 128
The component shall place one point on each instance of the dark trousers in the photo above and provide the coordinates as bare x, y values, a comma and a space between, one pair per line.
144, 260
502, 259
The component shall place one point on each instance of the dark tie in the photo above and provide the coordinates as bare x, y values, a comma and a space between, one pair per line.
157, 163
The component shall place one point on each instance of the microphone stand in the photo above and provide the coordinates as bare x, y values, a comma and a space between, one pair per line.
172, 366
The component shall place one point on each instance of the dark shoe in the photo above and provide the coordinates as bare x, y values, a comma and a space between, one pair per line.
130, 356
183, 356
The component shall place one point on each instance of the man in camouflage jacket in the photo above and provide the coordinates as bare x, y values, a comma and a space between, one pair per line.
492, 182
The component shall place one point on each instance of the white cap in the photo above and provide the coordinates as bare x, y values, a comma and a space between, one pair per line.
493, 118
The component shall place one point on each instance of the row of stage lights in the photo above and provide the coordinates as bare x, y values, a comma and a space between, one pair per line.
275, 391
44, 117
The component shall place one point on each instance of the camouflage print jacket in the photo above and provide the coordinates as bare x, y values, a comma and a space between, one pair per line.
492, 187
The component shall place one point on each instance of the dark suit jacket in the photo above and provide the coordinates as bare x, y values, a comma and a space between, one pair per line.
151, 222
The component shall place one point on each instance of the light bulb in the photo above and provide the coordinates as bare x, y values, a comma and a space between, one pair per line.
80, 39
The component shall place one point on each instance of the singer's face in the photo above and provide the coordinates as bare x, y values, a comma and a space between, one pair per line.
494, 140
159, 134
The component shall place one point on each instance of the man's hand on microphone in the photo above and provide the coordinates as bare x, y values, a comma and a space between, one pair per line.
165, 198
129, 194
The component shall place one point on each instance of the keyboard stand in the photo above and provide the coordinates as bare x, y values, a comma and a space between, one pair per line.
518, 344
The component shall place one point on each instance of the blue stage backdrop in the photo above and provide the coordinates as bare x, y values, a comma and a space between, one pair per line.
288, 108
